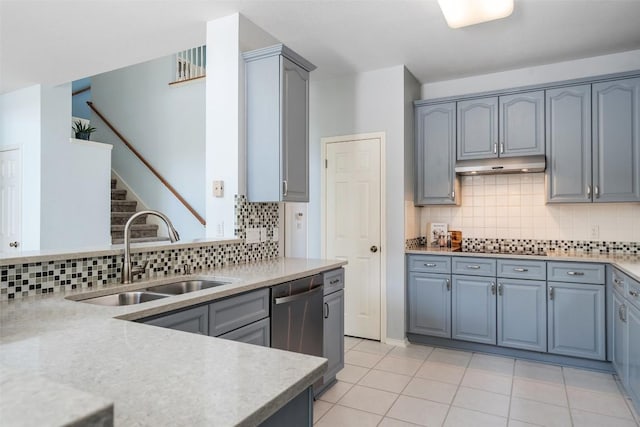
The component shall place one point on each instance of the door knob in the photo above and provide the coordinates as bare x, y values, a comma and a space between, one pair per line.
14, 244
373, 249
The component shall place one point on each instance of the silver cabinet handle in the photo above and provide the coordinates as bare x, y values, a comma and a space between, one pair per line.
618, 282
473, 267
575, 273
596, 191
333, 282
448, 284
453, 194
500, 290
495, 148
588, 191
429, 264
621, 313
285, 188
501, 147
296, 297
326, 306
521, 270
634, 294
493, 288
550, 292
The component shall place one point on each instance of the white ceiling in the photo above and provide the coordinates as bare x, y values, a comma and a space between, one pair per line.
56, 41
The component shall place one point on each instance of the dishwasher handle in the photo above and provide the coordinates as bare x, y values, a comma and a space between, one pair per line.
296, 297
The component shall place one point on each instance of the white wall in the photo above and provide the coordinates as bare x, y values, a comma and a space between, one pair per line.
368, 102
411, 212
587, 67
20, 127
166, 124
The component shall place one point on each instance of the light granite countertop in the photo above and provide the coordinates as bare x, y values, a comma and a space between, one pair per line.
629, 264
157, 376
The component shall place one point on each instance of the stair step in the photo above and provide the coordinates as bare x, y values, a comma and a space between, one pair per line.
120, 240
136, 231
123, 206
113, 183
118, 194
121, 218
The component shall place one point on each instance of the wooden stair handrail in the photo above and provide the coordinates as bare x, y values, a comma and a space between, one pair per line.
147, 164
79, 91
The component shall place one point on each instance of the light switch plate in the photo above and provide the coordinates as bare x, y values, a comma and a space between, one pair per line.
253, 235
263, 234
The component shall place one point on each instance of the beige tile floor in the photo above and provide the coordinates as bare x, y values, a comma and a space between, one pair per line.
383, 385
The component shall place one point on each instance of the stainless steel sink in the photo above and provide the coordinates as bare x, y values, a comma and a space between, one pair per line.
186, 286
125, 298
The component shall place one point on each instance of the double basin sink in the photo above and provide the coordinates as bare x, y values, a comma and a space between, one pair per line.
155, 292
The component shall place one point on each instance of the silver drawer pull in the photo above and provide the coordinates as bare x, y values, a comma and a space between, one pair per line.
550, 292
521, 270
473, 267
634, 294
493, 288
575, 273
618, 282
333, 282
448, 285
430, 264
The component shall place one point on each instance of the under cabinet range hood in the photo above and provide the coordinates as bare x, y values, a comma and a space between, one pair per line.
501, 165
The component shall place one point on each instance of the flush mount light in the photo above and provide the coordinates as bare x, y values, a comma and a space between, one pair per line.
461, 13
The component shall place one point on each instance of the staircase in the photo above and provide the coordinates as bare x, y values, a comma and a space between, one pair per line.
121, 210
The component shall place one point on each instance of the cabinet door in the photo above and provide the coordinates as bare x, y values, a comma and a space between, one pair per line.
257, 333
521, 124
195, 320
619, 332
333, 336
478, 129
435, 176
295, 132
616, 141
522, 314
576, 320
568, 131
474, 309
429, 301
633, 359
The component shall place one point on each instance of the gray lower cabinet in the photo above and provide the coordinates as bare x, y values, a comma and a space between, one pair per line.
232, 313
333, 336
435, 155
277, 124
474, 309
568, 131
477, 126
576, 322
522, 314
633, 356
616, 141
620, 337
257, 333
195, 320
521, 121
429, 300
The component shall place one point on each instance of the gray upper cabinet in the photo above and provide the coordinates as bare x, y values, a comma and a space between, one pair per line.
521, 124
478, 129
568, 131
277, 110
435, 154
474, 309
576, 322
616, 141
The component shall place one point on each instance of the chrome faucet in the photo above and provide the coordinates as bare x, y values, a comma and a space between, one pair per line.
129, 271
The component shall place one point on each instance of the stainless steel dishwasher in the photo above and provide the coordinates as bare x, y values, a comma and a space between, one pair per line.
296, 316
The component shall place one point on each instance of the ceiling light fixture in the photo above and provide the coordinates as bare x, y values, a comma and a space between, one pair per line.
461, 13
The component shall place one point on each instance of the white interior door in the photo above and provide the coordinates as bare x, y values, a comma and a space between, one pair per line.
353, 229
10, 194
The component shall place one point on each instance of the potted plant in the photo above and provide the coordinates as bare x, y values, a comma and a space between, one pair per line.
82, 131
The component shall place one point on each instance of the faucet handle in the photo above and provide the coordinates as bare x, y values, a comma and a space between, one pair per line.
139, 269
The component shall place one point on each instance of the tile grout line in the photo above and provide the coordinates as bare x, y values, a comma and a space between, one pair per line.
566, 392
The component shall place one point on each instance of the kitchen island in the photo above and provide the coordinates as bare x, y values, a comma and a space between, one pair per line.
158, 376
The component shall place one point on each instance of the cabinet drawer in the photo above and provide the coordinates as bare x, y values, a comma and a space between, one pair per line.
619, 282
633, 293
333, 280
235, 312
194, 320
430, 264
576, 272
522, 269
257, 333
474, 266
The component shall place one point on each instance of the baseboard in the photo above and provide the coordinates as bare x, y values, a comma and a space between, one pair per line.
397, 343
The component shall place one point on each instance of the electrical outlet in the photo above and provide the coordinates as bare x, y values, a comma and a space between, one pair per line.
253, 235
276, 234
220, 229
218, 188
595, 231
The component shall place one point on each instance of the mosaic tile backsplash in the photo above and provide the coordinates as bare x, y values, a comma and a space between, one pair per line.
21, 280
